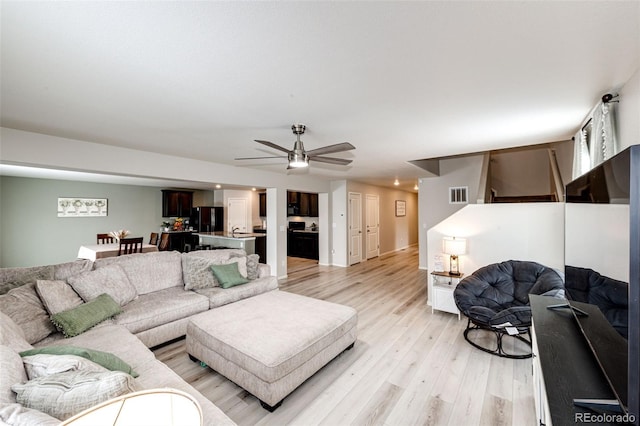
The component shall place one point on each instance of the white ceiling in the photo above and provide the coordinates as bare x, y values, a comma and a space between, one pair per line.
401, 81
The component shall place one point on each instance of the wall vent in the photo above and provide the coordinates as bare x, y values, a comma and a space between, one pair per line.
458, 195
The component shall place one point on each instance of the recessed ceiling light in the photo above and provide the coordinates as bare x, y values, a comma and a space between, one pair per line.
218, 186
396, 182
415, 187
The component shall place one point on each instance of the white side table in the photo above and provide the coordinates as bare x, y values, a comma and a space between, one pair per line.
442, 285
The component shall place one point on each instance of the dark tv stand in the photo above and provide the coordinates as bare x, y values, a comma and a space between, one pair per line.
568, 379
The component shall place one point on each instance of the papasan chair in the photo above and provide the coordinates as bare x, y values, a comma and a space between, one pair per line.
495, 298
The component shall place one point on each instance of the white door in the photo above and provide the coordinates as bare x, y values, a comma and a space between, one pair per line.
355, 228
373, 225
237, 214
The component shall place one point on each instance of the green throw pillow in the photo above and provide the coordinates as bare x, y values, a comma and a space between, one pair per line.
228, 275
105, 359
77, 320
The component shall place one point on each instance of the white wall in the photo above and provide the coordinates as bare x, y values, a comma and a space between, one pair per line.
433, 200
498, 232
339, 246
629, 112
517, 172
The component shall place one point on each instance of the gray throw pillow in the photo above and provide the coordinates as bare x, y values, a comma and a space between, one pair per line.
57, 295
110, 279
196, 273
252, 266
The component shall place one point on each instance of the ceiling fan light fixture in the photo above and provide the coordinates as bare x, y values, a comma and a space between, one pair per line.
297, 160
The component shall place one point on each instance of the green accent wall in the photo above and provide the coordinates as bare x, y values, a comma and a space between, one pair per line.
31, 233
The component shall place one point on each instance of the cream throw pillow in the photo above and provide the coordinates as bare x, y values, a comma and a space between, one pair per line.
41, 365
64, 394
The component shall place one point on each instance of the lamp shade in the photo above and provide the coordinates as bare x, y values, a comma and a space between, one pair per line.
454, 246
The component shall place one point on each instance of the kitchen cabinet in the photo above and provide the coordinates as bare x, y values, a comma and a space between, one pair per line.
303, 244
304, 203
261, 248
178, 240
263, 203
176, 203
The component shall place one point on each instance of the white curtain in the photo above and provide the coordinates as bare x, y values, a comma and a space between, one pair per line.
581, 158
603, 143
597, 140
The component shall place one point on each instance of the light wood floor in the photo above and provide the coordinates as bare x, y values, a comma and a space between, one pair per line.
408, 366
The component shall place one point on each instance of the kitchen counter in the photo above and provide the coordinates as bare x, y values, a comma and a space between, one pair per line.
230, 236
245, 241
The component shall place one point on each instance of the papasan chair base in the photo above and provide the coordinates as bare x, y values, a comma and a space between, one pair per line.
500, 334
495, 298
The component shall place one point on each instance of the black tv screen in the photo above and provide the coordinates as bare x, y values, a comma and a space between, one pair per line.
602, 233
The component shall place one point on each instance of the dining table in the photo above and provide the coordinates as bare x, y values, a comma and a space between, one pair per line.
99, 251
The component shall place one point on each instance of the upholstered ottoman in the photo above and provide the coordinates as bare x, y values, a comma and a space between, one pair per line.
271, 343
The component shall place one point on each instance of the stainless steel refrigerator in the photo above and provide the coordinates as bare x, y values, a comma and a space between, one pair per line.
207, 219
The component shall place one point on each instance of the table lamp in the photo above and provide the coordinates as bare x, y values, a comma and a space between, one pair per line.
454, 247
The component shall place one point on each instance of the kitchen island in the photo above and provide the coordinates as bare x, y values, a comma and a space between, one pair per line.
245, 241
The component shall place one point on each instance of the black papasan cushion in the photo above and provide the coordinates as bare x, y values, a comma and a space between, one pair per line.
499, 293
610, 295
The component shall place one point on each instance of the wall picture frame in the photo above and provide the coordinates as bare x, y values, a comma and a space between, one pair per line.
401, 208
82, 207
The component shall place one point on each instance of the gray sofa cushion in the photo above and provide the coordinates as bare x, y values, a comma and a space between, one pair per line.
153, 373
219, 296
149, 272
12, 335
16, 277
13, 372
161, 307
24, 307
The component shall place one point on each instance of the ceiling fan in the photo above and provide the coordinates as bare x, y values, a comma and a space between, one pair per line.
299, 158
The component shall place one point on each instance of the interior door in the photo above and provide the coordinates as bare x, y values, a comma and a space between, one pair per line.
355, 227
237, 214
372, 219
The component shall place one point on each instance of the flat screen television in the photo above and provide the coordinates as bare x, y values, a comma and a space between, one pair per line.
602, 233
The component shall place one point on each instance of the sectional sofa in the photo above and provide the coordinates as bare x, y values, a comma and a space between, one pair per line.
114, 308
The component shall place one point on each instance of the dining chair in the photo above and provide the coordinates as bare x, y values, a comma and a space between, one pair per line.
153, 239
104, 239
130, 245
164, 241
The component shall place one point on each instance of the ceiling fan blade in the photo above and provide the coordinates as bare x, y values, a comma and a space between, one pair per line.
272, 145
258, 158
330, 160
330, 149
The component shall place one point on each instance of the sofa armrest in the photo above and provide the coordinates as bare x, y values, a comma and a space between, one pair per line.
264, 270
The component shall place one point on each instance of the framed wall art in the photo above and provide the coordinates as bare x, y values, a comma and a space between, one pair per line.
401, 208
82, 207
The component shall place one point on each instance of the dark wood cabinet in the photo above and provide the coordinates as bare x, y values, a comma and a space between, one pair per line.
305, 203
261, 248
263, 203
303, 200
292, 197
313, 205
176, 203
303, 244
